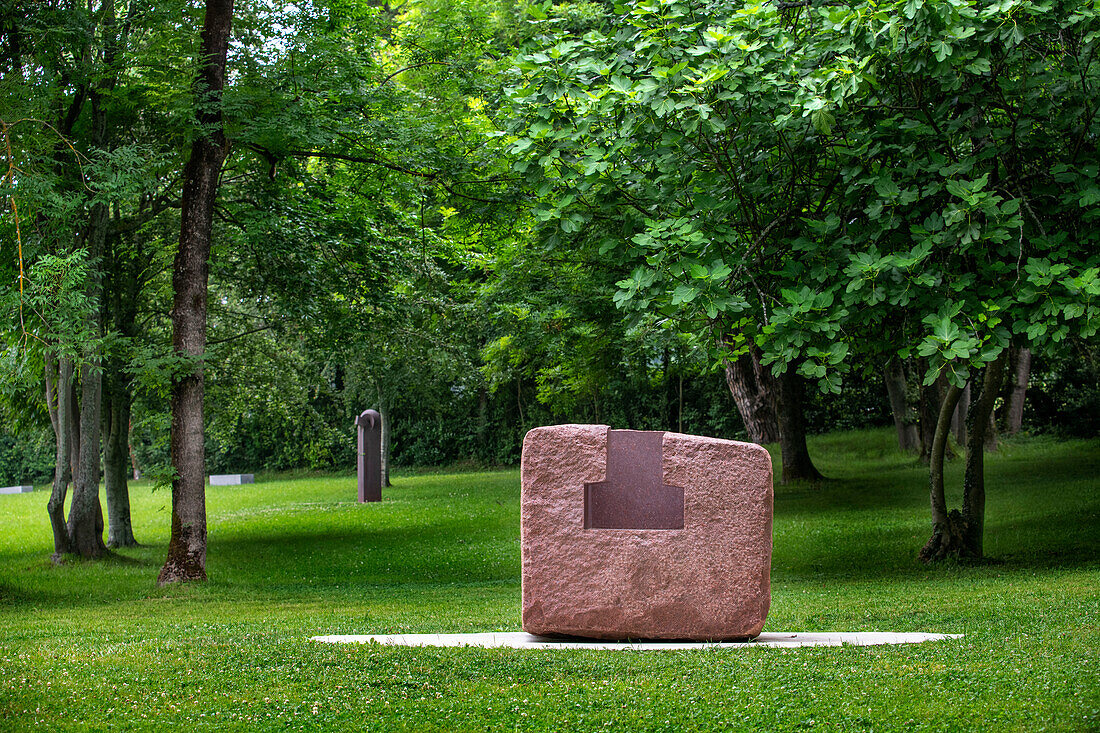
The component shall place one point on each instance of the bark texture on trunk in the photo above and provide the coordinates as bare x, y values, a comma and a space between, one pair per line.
978, 421
1020, 374
86, 512
946, 526
753, 389
85, 523
116, 458
384, 414
62, 404
958, 420
905, 416
187, 548
960, 534
931, 399
797, 465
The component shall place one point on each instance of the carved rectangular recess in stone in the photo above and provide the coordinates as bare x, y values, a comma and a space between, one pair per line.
634, 494
618, 579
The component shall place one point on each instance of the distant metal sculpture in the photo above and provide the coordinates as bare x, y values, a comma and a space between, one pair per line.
370, 456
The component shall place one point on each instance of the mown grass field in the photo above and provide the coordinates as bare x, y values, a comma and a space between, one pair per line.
97, 646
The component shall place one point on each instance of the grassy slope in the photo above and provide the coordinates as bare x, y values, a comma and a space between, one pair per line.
98, 646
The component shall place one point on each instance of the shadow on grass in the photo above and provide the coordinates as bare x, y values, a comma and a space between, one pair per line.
438, 553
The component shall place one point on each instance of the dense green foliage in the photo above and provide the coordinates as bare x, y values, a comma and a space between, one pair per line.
97, 645
894, 178
833, 184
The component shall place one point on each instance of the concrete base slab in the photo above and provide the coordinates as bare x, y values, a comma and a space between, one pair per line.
523, 640
16, 489
232, 479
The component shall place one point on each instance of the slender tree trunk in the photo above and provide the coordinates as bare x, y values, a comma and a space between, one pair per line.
931, 398
977, 419
62, 398
1020, 374
946, 530
133, 456
116, 458
483, 423
187, 548
958, 420
753, 389
384, 416
666, 387
905, 418
797, 465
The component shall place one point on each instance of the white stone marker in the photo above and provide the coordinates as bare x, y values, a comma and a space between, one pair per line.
523, 640
16, 489
231, 479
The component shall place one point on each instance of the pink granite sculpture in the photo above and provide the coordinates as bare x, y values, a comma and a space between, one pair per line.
644, 535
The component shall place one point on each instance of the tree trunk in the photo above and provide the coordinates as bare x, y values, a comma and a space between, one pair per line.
62, 473
133, 456
483, 423
946, 527
905, 418
797, 465
74, 424
384, 416
187, 548
977, 422
753, 389
86, 512
931, 398
116, 458
1020, 373
958, 420
960, 534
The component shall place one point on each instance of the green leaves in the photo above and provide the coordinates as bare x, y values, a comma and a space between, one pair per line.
842, 182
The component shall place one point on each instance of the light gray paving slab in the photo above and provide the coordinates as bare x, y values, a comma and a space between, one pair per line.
231, 479
522, 640
16, 489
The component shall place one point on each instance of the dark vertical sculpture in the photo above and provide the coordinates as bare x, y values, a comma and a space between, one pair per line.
370, 456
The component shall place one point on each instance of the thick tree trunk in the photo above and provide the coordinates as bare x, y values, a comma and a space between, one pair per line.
753, 389
74, 424
905, 417
62, 401
946, 527
116, 458
1020, 373
187, 548
86, 512
797, 465
977, 419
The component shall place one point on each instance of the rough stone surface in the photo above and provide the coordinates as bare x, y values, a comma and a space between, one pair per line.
707, 581
232, 479
523, 640
16, 489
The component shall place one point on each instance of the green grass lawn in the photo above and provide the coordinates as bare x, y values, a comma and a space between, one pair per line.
97, 646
